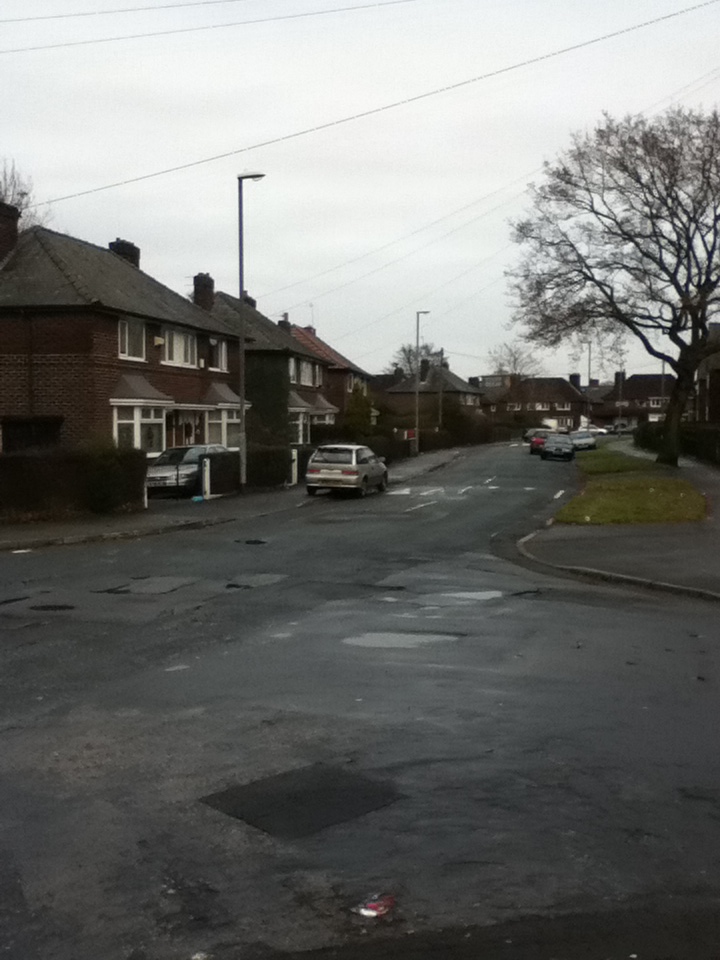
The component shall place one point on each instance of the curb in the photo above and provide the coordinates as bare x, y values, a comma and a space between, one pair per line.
606, 576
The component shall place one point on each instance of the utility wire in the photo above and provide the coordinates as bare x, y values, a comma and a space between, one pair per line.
212, 26
405, 236
382, 109
103, 13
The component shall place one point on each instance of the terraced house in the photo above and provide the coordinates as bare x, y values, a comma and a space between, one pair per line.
91, 347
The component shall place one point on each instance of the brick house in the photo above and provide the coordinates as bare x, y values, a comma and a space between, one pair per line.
639, 398
707, 388
343, 376
285, 382
437, 385
533, 400
93, 348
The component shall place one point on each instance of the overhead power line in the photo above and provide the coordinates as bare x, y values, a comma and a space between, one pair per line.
212, 26
103, 13
384, 108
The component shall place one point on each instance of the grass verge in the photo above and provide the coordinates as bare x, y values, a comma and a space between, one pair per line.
626, 489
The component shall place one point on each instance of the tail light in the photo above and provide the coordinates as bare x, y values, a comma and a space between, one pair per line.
313, 470
349, 473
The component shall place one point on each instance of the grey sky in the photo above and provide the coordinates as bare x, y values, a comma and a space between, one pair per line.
357, 226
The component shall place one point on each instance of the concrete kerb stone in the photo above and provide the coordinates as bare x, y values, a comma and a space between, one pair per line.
607, 576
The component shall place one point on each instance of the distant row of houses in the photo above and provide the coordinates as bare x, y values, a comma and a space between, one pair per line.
92, 347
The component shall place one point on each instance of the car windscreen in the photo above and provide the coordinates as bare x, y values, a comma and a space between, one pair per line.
178, 455
332, 455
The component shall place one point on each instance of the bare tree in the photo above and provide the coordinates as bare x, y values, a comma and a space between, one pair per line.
18, 191
516, 358
624, 236
405, 358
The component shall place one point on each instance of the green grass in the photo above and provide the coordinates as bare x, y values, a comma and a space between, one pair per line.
625, 489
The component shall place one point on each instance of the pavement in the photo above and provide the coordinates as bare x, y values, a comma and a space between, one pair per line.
165, 515
676, 557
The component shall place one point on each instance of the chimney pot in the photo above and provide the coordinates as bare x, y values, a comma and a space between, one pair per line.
575, 380
424, 369
128, 251
204, 291
9, 217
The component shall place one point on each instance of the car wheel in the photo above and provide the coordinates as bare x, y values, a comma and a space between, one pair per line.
383, 485
543, 456
363, 488
311, 491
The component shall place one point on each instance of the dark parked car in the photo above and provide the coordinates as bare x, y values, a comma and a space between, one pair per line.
177, 469
558, 446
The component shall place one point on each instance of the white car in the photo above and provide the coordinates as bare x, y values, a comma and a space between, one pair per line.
345, 466
583, 440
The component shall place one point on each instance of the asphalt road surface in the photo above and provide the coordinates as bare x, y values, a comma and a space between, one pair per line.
217, 744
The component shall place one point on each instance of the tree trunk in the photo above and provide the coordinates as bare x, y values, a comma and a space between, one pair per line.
670, 443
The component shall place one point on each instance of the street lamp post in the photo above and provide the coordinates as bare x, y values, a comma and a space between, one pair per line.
242, 444
418, 314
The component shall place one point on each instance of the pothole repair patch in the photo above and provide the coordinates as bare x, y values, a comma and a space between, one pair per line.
302, 802
399, 640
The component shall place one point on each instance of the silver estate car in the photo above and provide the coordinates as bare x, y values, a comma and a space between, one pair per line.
345, 466
177, 469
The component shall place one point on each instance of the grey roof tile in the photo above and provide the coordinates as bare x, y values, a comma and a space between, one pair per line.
49, 269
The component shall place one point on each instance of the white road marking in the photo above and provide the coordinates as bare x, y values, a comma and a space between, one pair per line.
529, 488
421, 505
492, 488
558, 494
465, 490
399, 493
180, 666
490, 479
431, 491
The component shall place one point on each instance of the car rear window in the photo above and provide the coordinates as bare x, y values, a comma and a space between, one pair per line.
332, 455
177, 455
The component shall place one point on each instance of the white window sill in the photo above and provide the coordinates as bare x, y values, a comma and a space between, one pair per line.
184, 366
122, 356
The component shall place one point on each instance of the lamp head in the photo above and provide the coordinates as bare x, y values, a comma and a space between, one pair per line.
251, 176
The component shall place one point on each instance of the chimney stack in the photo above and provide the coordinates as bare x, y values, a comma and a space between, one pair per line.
204, 291
574, 379
285, 324
128, 251
9, 217
310, 330
424, 369
619, 378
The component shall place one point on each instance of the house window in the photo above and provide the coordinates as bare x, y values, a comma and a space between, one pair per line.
514, 406
131, 339
564, 421
292, 368
223, 426
542, 406
317, 375
493, 408
180, 348
656, 401
218, 355
306, 373
562, 406
299, 428
142, 428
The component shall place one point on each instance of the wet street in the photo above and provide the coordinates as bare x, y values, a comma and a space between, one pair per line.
219, 742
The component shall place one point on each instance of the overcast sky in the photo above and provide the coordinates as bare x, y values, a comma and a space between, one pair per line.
358, 225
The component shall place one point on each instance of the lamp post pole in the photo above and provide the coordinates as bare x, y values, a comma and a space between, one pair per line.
418, 314
242, 442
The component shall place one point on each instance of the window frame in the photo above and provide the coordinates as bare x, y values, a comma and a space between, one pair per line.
137, 420
187, 338
221, 346
124, 326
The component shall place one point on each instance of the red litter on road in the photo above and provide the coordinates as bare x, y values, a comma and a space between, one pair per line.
377, 906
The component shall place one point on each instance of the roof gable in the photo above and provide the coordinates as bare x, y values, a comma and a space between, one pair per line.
311, 341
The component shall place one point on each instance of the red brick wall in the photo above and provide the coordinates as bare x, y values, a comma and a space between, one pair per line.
75, 369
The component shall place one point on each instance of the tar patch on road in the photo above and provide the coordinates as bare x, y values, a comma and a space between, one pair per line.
302, 802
